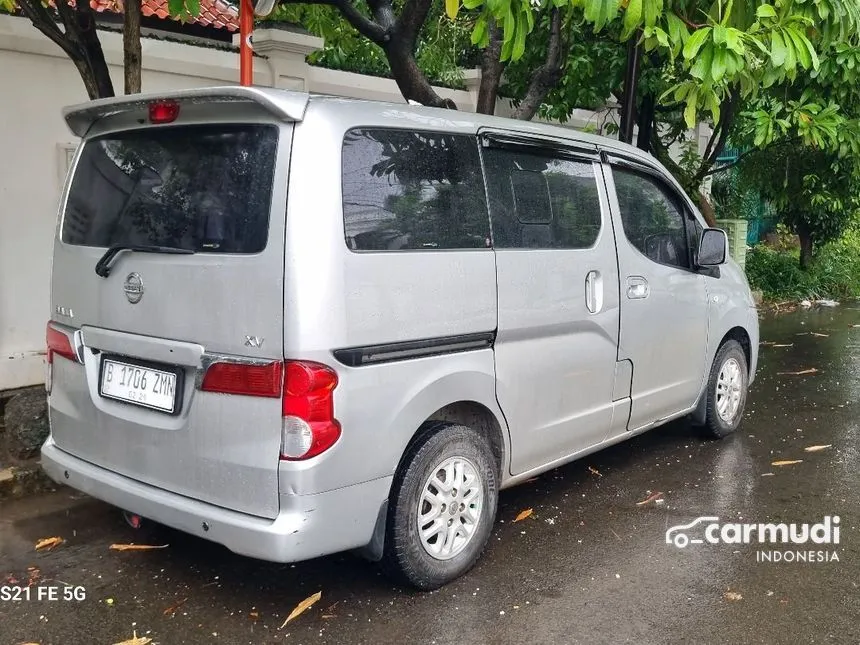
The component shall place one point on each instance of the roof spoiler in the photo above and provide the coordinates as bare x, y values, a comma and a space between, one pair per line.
283, 104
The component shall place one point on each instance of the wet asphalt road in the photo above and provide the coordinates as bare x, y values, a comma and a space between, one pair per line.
588, 566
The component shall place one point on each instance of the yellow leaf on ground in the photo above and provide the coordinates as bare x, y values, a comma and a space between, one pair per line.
136, 640
811, 370
817, 448
48, 543
594, 471
302, 607
786, 462
653, 497
523, 515
136, 547
732, 596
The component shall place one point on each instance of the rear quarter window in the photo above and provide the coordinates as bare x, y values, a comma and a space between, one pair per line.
406, 190
203, 188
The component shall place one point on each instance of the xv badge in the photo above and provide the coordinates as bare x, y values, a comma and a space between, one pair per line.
254, 341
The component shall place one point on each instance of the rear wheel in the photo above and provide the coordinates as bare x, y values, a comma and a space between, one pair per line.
727, 390
442, 507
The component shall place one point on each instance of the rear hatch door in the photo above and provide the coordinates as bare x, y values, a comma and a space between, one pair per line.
180, 332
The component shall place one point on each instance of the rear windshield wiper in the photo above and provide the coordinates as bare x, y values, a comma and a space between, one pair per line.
103, 265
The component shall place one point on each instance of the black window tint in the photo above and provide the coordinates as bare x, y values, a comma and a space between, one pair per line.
202, 188
651, 218
541, 201
413, 190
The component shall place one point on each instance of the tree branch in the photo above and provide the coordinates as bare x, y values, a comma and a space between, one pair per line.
547, 75
715, 169
44, 22
412, 18
361, 23
491, 70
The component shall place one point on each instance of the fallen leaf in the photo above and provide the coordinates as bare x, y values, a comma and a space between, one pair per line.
811, 370
653, 497
594, 471
784, 345
136, 640
817, 448
786, 462
170, 611
327, 616
136, 547
732, 596
854, 326
302, 607
255, 614
767, 474
48, 543
524, 514
815, 333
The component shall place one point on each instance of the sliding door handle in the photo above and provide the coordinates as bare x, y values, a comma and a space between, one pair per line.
637, 287
594, 291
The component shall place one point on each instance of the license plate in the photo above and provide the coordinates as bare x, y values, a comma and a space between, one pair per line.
139, 385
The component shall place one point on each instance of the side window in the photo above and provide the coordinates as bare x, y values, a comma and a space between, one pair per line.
405, 190
541, 201
651, 217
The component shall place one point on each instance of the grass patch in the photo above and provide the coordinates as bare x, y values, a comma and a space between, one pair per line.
835, 272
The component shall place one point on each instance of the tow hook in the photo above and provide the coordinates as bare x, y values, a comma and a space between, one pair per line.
133, 520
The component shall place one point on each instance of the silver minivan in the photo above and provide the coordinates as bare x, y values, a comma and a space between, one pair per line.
297, 325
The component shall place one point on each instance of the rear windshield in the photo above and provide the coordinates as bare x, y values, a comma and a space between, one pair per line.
200, 188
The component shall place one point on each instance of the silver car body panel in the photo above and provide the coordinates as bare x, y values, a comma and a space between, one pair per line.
409, 333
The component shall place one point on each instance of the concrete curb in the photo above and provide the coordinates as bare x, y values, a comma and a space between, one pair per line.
21, 481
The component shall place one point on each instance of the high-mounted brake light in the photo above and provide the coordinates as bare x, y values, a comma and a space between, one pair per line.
163, 111
309, 426
249, 379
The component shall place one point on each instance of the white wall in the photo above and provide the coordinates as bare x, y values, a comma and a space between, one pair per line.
38, 81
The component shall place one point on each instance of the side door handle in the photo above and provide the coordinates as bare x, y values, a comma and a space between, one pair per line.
594, 291
637, 287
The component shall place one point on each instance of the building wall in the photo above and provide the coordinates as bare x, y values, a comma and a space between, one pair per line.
38, 81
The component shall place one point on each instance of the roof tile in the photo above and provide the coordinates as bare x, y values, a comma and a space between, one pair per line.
217, 13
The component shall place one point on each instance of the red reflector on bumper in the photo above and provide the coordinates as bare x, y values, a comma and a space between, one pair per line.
244, 378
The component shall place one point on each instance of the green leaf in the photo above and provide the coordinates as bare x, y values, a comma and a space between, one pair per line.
695, 42
720, 34
652, 9
678, 33
193, 7
734, 40
690, 110
520, 39
765, 11
799, 46
662, 37
632, 18
509, 26
472, 4
175, 7
790, 56
713, 103
702, 67
480, 34
718, 66
777, 49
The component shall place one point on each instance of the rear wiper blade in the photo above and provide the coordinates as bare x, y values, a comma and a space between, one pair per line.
103, 265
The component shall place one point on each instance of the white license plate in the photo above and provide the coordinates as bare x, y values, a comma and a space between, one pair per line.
139, 385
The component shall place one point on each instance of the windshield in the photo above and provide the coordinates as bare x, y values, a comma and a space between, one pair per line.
199, 188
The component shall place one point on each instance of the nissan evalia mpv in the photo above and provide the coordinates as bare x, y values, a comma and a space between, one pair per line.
298, 325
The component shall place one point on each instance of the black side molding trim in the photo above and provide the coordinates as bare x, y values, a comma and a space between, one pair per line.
405, 350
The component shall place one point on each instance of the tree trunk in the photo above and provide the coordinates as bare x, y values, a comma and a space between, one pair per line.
92, 50
131, 46
806, 247
631, 81
645, 121
410, 79
547, 75
491, 71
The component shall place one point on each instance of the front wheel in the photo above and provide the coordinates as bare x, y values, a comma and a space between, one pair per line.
442, 507
727, 390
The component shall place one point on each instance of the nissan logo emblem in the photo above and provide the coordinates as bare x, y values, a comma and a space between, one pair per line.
133, 288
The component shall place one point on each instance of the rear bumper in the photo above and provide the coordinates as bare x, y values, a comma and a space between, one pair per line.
308, 526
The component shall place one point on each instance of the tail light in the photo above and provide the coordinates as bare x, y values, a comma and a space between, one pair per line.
58, 343
309, 426
163, 111
249, 379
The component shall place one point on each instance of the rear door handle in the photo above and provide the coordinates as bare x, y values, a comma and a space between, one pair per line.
594, 291
637, 287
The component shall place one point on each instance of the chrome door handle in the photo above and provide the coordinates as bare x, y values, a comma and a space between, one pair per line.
594, 291
637, 287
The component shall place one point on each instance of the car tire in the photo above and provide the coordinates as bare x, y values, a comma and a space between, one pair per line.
728, 385
445, 456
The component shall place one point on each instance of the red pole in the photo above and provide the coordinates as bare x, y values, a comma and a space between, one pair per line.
246, 56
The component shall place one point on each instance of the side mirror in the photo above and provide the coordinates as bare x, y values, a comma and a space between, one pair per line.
713, 248
264, 7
